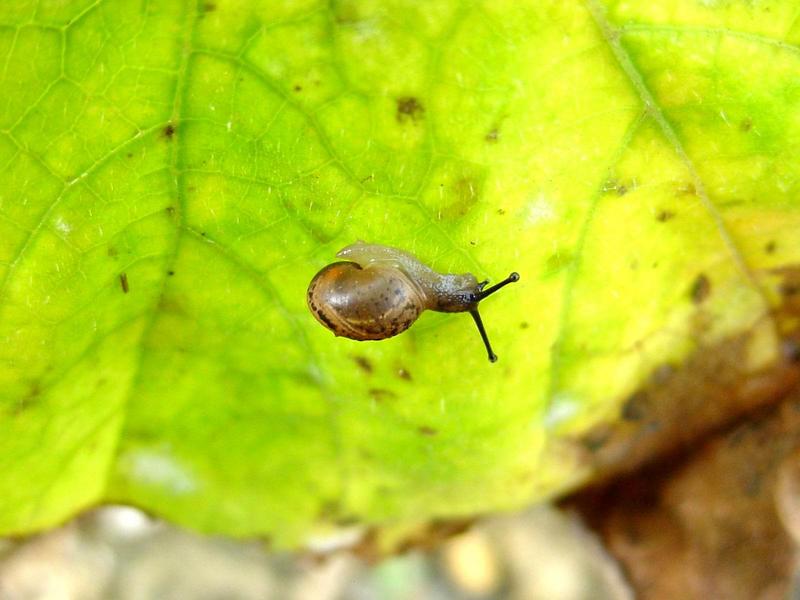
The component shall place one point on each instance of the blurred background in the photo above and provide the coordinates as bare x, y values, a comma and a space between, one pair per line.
122, 554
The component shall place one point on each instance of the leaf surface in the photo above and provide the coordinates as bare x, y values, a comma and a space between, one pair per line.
175, 173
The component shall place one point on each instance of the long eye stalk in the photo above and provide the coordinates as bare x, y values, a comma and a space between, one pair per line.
477, 317
510, 279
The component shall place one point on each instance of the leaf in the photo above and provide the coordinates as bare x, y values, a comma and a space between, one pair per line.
175, 173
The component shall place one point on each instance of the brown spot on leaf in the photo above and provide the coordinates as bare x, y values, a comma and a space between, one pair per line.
770, 247
169, 131
686, 189
380, 394
123, 281
298, 88
404, 374
635, 407
664, 215
364, 364
701, 288
524, 325
425, 430
492, 136
746, 124
112, 251
409, 108
28, 400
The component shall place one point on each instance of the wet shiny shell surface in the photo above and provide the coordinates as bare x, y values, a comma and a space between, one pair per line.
364, 304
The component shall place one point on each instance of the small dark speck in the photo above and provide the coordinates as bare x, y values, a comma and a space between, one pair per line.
409, 107
791, 350
129, 155
381, 394
169, 131
524, 325
123, 280
492, 136
501, 211
364, 364
403, 374
298, 88
425, 430
790, 288
701, 288
112, 252
170, 210
203, 233
634, 407
746, 125
770, 247
170, 273
473, 243
664, 215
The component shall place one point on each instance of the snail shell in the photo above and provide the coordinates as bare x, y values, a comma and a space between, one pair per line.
370, 303
380, 291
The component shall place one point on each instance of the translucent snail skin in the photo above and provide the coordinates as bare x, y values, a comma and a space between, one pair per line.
378, 291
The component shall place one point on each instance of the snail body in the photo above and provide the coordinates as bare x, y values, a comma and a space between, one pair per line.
378, 292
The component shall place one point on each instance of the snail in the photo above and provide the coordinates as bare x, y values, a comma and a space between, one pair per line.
378, 292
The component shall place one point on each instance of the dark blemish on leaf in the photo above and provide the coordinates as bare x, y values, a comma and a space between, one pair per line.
129, 155
123, 281
791, 350
364, 364
473, 243
790, 287
501, 211
409, 107
746, 124
557, 261
403, 374
596, 439
170, 211
701, 288
209, 7
686, 189
298, 88
618, 187
345, 520
492, 136
770, 247
664, 215
381, 394
203, 233
169, 131
329, 509
524, 325
30, 399
466, 192
425, 430
170, 273
634, 407
112, 251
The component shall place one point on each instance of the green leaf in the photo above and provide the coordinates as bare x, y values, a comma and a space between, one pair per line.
175, 173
